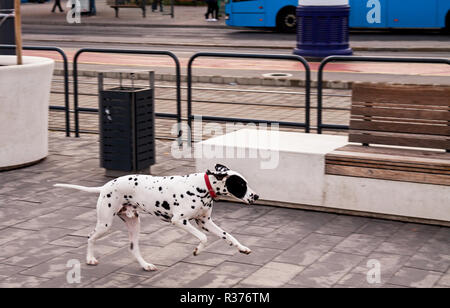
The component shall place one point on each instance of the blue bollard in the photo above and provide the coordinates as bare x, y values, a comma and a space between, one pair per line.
322, 28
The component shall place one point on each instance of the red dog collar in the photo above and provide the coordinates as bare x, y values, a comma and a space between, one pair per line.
210, 189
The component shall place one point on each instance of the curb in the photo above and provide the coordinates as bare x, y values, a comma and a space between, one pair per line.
355, 48
214, 79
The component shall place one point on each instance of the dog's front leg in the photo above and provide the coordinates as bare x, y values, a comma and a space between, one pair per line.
184, 224
215, 229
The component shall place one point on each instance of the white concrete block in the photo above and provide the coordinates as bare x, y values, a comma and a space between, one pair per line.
280, 166
388, 197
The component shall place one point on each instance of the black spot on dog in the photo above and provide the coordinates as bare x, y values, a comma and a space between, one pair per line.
106, 225
108, 195
166, 205
130, 197
224, 233
202, 191
135, 183
157, 204
224, 237
160, 188
184, 222
156, 213
174, 195
189, 193
129, 179
193, 200
171, 177
181, 196
192, 207
109, 204
131, 246
166, 216
182, 214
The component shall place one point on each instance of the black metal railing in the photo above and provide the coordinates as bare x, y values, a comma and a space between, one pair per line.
305, 64
320, 124
66, 79
78, 109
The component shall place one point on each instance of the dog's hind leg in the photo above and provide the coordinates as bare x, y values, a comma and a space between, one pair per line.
134, 227
100, 229
105, 215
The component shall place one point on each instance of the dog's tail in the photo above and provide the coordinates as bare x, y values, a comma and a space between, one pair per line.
83, 188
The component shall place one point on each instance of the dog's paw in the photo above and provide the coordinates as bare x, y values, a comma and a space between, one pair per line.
245, 250
92, 261
149, 267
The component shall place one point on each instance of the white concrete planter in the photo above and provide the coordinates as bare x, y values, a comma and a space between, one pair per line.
24, 103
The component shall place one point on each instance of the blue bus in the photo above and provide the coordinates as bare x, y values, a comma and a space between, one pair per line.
381, 14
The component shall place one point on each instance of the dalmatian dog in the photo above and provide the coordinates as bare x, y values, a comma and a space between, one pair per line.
176, 199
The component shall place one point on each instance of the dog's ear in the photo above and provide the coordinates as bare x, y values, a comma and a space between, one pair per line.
218, 175
221, 168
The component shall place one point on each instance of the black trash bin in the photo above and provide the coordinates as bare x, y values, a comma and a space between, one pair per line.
7, 36
127, 127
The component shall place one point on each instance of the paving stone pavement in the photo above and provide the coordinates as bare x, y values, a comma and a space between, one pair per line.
42, 228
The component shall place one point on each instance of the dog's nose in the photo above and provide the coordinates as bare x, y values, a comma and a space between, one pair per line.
255, 197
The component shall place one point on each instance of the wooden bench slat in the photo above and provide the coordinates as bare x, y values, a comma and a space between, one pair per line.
398, 167
395, 151
401, 113
388, 165
384, 159
394, 175
400, 141
398, 106
385, 126
126, 6
402, 94
397, 120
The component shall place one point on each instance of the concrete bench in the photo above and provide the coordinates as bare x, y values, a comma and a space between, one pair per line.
327, 172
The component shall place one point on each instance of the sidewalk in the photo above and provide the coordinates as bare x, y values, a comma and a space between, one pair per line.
42, 228
188, 17
184, 16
